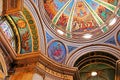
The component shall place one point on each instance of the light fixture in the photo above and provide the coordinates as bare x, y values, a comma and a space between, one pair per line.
36, 76
112, 21
87, 36
60, 32
93, 73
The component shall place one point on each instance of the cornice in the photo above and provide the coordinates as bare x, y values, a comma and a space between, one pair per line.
21, 60
39, 58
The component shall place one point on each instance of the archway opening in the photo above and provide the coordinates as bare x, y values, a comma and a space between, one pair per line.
96, 66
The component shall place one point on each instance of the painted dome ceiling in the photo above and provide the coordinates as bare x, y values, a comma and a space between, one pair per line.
76, 19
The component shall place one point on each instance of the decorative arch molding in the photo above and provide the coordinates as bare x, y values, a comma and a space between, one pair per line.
91, 48
3, 64
37, 18
117, 37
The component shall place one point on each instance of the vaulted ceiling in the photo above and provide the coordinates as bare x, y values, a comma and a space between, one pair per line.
77, 20
67, 31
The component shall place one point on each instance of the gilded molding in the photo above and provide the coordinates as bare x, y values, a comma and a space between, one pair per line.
16, 33
38, 57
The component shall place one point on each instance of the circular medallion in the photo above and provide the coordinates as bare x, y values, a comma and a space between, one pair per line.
21, 23
57, 51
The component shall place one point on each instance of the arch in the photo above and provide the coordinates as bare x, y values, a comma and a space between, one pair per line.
91, 48
34, 10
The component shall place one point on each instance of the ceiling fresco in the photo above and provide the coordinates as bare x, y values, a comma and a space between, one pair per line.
75, 17
27, 30
21, 31
26, 39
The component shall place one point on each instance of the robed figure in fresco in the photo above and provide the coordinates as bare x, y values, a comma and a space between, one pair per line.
57, 51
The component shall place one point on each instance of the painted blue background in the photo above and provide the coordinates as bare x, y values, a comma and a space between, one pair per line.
53, 47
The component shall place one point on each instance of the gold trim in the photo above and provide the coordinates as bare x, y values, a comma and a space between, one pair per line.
16, 34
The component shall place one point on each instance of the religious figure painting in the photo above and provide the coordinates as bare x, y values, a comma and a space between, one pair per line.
57, 51
61, 12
